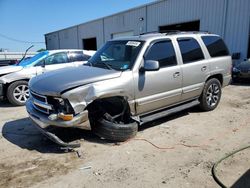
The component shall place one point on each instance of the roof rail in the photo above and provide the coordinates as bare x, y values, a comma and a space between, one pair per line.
172, 32
150, 32
186, 32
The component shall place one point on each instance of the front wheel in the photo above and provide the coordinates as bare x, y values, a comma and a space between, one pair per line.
18, 93
211, 95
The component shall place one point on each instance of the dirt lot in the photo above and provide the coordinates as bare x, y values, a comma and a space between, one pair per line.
186, 146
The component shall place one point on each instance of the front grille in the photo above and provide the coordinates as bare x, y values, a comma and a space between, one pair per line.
40, 103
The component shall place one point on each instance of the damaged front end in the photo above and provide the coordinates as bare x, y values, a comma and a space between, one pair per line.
48, 112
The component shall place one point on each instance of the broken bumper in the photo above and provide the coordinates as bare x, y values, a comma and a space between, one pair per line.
55, 139
42, 122
79, 121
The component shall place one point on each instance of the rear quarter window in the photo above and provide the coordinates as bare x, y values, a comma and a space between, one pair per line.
215, 45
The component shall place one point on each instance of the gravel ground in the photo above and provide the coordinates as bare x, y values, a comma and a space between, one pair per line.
176, 151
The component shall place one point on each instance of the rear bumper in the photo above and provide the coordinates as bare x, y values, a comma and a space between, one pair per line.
226, 80
42, 120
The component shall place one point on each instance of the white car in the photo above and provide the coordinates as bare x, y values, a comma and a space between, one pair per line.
14, 79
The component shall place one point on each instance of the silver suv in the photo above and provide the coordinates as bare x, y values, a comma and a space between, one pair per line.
130, 81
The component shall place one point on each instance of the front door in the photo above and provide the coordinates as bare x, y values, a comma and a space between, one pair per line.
158, 89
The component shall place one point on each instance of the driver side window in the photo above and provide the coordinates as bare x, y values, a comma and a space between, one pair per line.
58, 58
163, 52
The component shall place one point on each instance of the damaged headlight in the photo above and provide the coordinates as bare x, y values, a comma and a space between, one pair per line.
62, 109
63, 105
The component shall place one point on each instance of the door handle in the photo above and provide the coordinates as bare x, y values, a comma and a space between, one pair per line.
176, 74
204, 68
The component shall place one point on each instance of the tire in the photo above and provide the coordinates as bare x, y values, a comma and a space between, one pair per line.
18, 93
211, 95
113, 131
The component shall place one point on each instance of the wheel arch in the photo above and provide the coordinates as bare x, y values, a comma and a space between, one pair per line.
119, 101
217, 76
7, 84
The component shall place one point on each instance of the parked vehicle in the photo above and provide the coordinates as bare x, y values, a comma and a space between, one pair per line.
241, 71
14, 79
8, 62
131, 81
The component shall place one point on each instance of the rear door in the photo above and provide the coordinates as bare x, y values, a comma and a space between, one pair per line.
158, 89
195, 67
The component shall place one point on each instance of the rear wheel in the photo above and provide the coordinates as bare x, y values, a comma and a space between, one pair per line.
18, 93
211, 95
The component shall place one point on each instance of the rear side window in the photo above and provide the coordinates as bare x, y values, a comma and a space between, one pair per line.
190, 50
78, 56
215, 45
163, 52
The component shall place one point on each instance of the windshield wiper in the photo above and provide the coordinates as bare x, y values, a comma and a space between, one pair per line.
106, 65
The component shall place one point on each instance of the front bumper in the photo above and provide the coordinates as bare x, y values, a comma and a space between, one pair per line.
241, 75
79, 121
42, 122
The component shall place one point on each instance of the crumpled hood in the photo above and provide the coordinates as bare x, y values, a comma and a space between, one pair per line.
10, 69
55, 82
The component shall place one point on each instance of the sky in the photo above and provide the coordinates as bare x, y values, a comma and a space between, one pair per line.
24, 22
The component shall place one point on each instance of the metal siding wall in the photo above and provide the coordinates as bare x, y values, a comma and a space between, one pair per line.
52, 41
237, 26
126, 21
91, 30
210, 14
68, 38
233, 26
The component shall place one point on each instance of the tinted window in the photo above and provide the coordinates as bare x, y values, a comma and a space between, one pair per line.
190, 50
56, 59
215, 45
163, 52
78, 56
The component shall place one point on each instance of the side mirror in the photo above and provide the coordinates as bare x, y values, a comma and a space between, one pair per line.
43, 63
150, 65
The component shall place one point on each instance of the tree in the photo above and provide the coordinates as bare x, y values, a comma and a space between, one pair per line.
40, 50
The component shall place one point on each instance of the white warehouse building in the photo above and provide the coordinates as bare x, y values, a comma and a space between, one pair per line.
228, 18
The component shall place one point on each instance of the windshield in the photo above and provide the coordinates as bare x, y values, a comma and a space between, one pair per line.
31, 61
118, 55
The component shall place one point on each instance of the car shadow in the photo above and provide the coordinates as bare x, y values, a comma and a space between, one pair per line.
5, 104
243, 181
25, 135
168, 118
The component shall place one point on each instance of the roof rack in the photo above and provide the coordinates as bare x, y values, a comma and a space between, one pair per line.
150, 32
172, 32
186, 32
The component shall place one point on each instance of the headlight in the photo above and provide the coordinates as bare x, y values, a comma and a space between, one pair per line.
236, 70
61, 105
